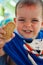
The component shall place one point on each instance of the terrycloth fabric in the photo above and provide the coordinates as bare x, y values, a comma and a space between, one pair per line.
19, 55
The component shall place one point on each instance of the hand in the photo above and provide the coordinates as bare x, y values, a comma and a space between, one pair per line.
3, 40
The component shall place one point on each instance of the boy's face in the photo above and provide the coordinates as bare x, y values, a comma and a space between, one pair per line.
29, 21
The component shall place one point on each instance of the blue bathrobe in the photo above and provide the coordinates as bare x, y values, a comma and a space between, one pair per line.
18, 53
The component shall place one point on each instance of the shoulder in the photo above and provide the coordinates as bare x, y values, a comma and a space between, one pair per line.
40, 35
41, 32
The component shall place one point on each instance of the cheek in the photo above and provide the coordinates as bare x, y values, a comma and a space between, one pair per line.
37, 27
19, 26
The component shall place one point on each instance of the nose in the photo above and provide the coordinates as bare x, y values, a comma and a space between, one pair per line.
28, 24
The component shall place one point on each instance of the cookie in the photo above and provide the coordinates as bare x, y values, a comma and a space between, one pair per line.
9, 28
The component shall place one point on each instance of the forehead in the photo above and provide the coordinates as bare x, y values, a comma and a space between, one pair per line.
29, 10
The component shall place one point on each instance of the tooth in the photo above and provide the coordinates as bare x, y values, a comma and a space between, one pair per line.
27, 31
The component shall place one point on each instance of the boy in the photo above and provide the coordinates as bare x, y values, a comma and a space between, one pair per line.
28, 24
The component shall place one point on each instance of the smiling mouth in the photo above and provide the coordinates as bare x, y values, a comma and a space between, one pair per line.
28, 31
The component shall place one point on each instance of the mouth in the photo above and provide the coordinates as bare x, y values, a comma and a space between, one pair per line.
27, 31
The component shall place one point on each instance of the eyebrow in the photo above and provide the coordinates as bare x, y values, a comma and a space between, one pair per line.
21, 17
34, 18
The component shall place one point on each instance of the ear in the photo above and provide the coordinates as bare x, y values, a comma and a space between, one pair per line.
42, 25
15, 20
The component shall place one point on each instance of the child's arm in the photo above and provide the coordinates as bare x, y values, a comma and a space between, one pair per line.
2, 52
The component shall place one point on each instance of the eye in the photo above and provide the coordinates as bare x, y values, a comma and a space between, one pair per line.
35, 21
21, 20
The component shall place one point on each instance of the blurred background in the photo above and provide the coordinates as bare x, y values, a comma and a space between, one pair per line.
7, 11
